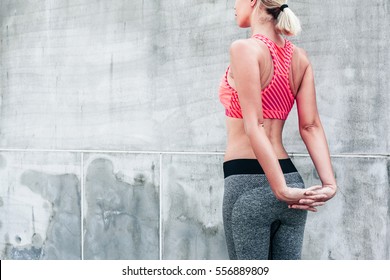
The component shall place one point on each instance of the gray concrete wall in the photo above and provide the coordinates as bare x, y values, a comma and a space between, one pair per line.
112, 135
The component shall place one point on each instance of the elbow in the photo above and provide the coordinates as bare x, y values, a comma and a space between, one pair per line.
309, 127
310, 130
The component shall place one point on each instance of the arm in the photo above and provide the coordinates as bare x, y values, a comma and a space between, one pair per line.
313, 135
245, 66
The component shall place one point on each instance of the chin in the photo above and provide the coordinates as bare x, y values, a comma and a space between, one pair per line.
242, 24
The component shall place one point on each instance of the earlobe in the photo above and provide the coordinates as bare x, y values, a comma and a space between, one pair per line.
253, 3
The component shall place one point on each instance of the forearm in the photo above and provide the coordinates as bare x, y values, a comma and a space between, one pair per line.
268, 160
317, 146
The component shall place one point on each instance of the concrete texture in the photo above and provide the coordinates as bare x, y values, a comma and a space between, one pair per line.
40, 206
121, 210
81, 80
112, 73
192, 203
355, 224
347, 44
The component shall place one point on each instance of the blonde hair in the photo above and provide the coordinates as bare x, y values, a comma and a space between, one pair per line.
287, 23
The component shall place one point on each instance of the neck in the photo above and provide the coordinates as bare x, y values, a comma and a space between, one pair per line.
261, 24
267, 29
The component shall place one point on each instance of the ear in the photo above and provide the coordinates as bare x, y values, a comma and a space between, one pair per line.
253, 3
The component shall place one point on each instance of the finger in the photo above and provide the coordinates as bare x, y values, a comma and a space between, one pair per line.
314, 188
299, 206
315, 204
310, 193
306, 201
303, 207
316, 192
316, 197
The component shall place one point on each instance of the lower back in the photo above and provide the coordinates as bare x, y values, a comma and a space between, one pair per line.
238, 145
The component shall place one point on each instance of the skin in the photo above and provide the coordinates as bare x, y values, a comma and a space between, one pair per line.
257, 138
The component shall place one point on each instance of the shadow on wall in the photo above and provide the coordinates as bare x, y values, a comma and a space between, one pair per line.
122, 218
192, 203
42, 217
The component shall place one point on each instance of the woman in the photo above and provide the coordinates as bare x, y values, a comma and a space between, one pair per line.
265, 204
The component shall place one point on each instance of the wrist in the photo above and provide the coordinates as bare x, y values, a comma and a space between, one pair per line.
332, 186
281, 193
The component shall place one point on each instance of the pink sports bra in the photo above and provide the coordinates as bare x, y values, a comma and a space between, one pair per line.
277, 97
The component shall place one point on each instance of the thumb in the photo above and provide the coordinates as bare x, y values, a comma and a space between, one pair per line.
311, 190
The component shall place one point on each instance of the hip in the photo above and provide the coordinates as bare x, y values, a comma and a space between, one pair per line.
248, 174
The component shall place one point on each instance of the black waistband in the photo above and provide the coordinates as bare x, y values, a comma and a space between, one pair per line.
252, 166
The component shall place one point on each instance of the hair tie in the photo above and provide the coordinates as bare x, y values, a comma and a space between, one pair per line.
283, 7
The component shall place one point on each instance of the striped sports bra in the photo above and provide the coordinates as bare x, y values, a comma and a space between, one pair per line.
277, 97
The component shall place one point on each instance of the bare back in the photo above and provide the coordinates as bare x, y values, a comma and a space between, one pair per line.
238, 145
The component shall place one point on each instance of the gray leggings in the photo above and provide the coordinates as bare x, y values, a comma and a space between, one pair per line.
257, 225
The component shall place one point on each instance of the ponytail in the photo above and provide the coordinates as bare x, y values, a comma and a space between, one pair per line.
287, 22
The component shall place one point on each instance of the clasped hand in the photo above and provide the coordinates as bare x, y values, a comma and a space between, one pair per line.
308, 199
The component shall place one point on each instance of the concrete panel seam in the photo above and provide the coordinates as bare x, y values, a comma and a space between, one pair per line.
112, 151
185, 153
382, 156
82, 204
160, 208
